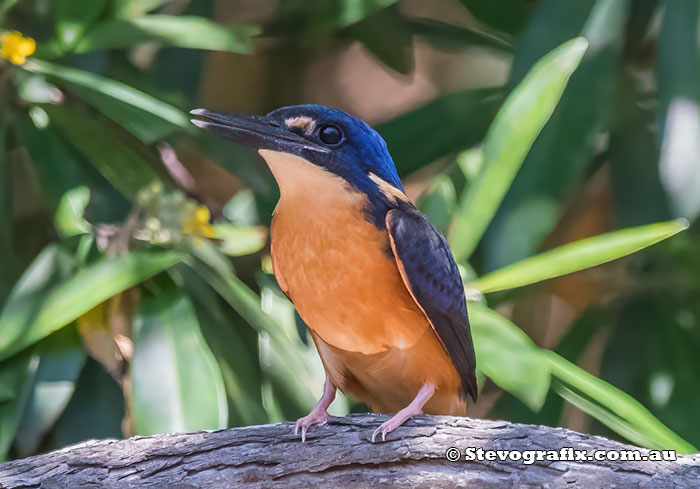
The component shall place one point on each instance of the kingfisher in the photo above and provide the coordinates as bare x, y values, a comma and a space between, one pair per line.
373, 279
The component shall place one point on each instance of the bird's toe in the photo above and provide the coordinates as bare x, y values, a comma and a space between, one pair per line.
313, 418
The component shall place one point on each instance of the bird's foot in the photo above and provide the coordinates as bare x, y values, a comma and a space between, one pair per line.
413, 409
317, 416
395, 421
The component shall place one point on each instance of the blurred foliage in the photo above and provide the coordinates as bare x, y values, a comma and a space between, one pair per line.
134, 302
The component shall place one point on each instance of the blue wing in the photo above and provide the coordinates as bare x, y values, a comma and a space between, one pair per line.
431, 275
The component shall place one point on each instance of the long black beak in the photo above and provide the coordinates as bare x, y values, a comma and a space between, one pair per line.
254, 131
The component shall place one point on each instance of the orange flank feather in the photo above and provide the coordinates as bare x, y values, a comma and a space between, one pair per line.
374, 340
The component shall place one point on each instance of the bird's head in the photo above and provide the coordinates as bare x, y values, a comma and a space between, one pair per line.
326, 138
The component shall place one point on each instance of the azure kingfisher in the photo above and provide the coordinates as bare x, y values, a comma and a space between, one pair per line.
369, 274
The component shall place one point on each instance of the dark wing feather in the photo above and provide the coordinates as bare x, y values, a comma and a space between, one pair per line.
431, 275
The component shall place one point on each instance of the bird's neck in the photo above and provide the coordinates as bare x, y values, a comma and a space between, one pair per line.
303, 184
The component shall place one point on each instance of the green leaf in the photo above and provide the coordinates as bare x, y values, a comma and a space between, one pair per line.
509, 15
579, 255
386, 36
61, 358
16, 375
31, 314
241, 209
557, 164
69, 220
238, 241
169, 30
96, 409
235, 346
318, 20
218, 272
72, 17
119, 158
508, 357
613, 407
58, 170
439, 128
634, 157
352, 11
296, 389
285, 342
8, 262
448, 36
176, 385
134, 8
118, 101
439, 201
5, 7
509, 138
678, 71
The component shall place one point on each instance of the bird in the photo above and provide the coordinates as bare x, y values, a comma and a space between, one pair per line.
370, 275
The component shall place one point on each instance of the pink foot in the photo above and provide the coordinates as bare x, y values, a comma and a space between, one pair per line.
319, 414
316, 416
413, 409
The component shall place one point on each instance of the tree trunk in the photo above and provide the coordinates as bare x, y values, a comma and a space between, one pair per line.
340, 454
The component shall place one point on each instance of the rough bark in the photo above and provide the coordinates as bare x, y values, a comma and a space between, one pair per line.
340, 454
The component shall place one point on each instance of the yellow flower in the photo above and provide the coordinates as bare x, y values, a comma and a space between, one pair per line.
198, 223
15, 47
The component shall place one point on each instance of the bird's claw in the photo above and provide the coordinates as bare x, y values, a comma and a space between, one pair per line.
395, 421
318, 418
383, 429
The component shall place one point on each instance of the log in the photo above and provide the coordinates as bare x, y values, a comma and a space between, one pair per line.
340, 454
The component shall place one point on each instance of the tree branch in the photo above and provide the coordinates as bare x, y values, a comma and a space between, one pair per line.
341, 455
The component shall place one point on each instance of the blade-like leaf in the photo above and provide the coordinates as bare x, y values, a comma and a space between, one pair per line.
96, 409
386, 36
69, 220
213, 268
6, 6
110, 96
509, 16
176, 383
235, 349
59, 170
445, 35
120, 159
61, 358
678, 70
616, 404
615, 423
319, 19
439, 128
72, 17
579, 255
438, 201
238, 241
132, 9
296, 393
29, 317
8, 262
170, 30
17, 376
556, 164
248, 305
508, 357
510, 137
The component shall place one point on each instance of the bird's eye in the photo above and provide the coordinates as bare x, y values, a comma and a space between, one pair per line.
330, 135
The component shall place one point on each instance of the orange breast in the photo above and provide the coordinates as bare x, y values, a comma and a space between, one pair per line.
373, 339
